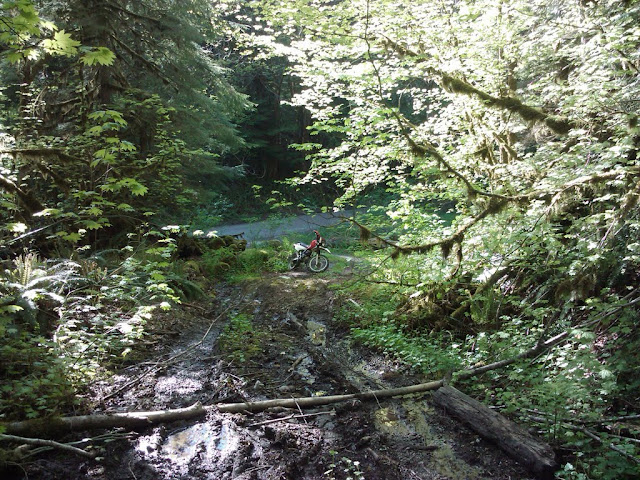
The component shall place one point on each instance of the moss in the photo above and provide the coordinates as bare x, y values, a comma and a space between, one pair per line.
559, 125
448, 464
496, 206
529, 114
365, 234
240, 341
455, 85
446, 247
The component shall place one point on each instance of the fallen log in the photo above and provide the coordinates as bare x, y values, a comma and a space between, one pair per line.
534, 454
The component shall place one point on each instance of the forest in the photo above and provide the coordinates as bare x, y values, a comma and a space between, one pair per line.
480, 158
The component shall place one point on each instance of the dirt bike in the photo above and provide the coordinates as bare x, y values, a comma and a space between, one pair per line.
313, 259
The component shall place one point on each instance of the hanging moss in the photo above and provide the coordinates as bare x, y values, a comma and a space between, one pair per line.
559, 125
365, 234
445, 248
495, 206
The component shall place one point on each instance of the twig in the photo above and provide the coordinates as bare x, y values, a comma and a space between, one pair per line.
611, 446
191, 305
546, 419
290, 417
47, 443
612, 419
626, 439
300, 410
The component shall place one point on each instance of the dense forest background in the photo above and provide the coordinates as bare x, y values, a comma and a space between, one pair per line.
490, 149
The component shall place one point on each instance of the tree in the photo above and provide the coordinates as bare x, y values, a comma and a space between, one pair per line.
521, 114
127, 122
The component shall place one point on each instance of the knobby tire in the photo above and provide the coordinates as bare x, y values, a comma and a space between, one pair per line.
318, 263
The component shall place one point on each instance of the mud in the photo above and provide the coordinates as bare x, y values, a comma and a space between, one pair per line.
301, 353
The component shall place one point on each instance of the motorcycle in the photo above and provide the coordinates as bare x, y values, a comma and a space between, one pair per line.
313, 259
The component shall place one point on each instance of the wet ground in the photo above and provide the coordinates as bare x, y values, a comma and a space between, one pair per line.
292, 348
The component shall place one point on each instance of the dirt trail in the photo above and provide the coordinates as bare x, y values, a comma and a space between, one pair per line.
293, 349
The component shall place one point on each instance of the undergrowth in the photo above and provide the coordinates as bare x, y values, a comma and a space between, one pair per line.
65, 322
240, 341
583, 396
231, 265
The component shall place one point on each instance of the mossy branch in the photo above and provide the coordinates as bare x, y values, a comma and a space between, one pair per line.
44, 152
27, 200
495, 206
446, 244
558, 124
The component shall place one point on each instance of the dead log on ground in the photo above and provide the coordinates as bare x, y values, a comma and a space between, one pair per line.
512, 439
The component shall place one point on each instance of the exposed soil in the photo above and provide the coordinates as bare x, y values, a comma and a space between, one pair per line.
300, 352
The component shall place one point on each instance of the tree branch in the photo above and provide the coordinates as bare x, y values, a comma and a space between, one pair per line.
56, 426
560, 125
27, 200
47, 443
149, 64
44, 151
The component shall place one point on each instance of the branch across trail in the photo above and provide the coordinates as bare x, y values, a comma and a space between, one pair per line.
326, 400
387, 393
51, 427
57, 426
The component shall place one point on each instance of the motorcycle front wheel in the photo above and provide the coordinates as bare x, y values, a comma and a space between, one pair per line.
318, 263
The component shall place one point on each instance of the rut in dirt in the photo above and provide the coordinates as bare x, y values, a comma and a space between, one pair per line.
290, 348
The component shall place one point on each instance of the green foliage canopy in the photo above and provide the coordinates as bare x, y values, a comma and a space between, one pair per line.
521, 118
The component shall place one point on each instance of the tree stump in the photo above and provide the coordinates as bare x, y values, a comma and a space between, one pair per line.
534, 454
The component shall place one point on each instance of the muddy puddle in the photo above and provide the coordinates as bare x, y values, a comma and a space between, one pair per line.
299, 353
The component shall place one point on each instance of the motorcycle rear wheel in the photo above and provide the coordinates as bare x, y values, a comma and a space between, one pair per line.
318, 263
293, 262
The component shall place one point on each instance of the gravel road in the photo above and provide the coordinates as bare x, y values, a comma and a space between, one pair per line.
276, 228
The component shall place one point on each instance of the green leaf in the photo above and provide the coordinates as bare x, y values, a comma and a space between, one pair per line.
10, 308
72, 237
136, 188
14, 56
48, 212
95, 211
91, 224
16, 227
94, 131
61, 44
98, 56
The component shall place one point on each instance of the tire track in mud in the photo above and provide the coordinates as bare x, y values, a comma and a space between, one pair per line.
302, 353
